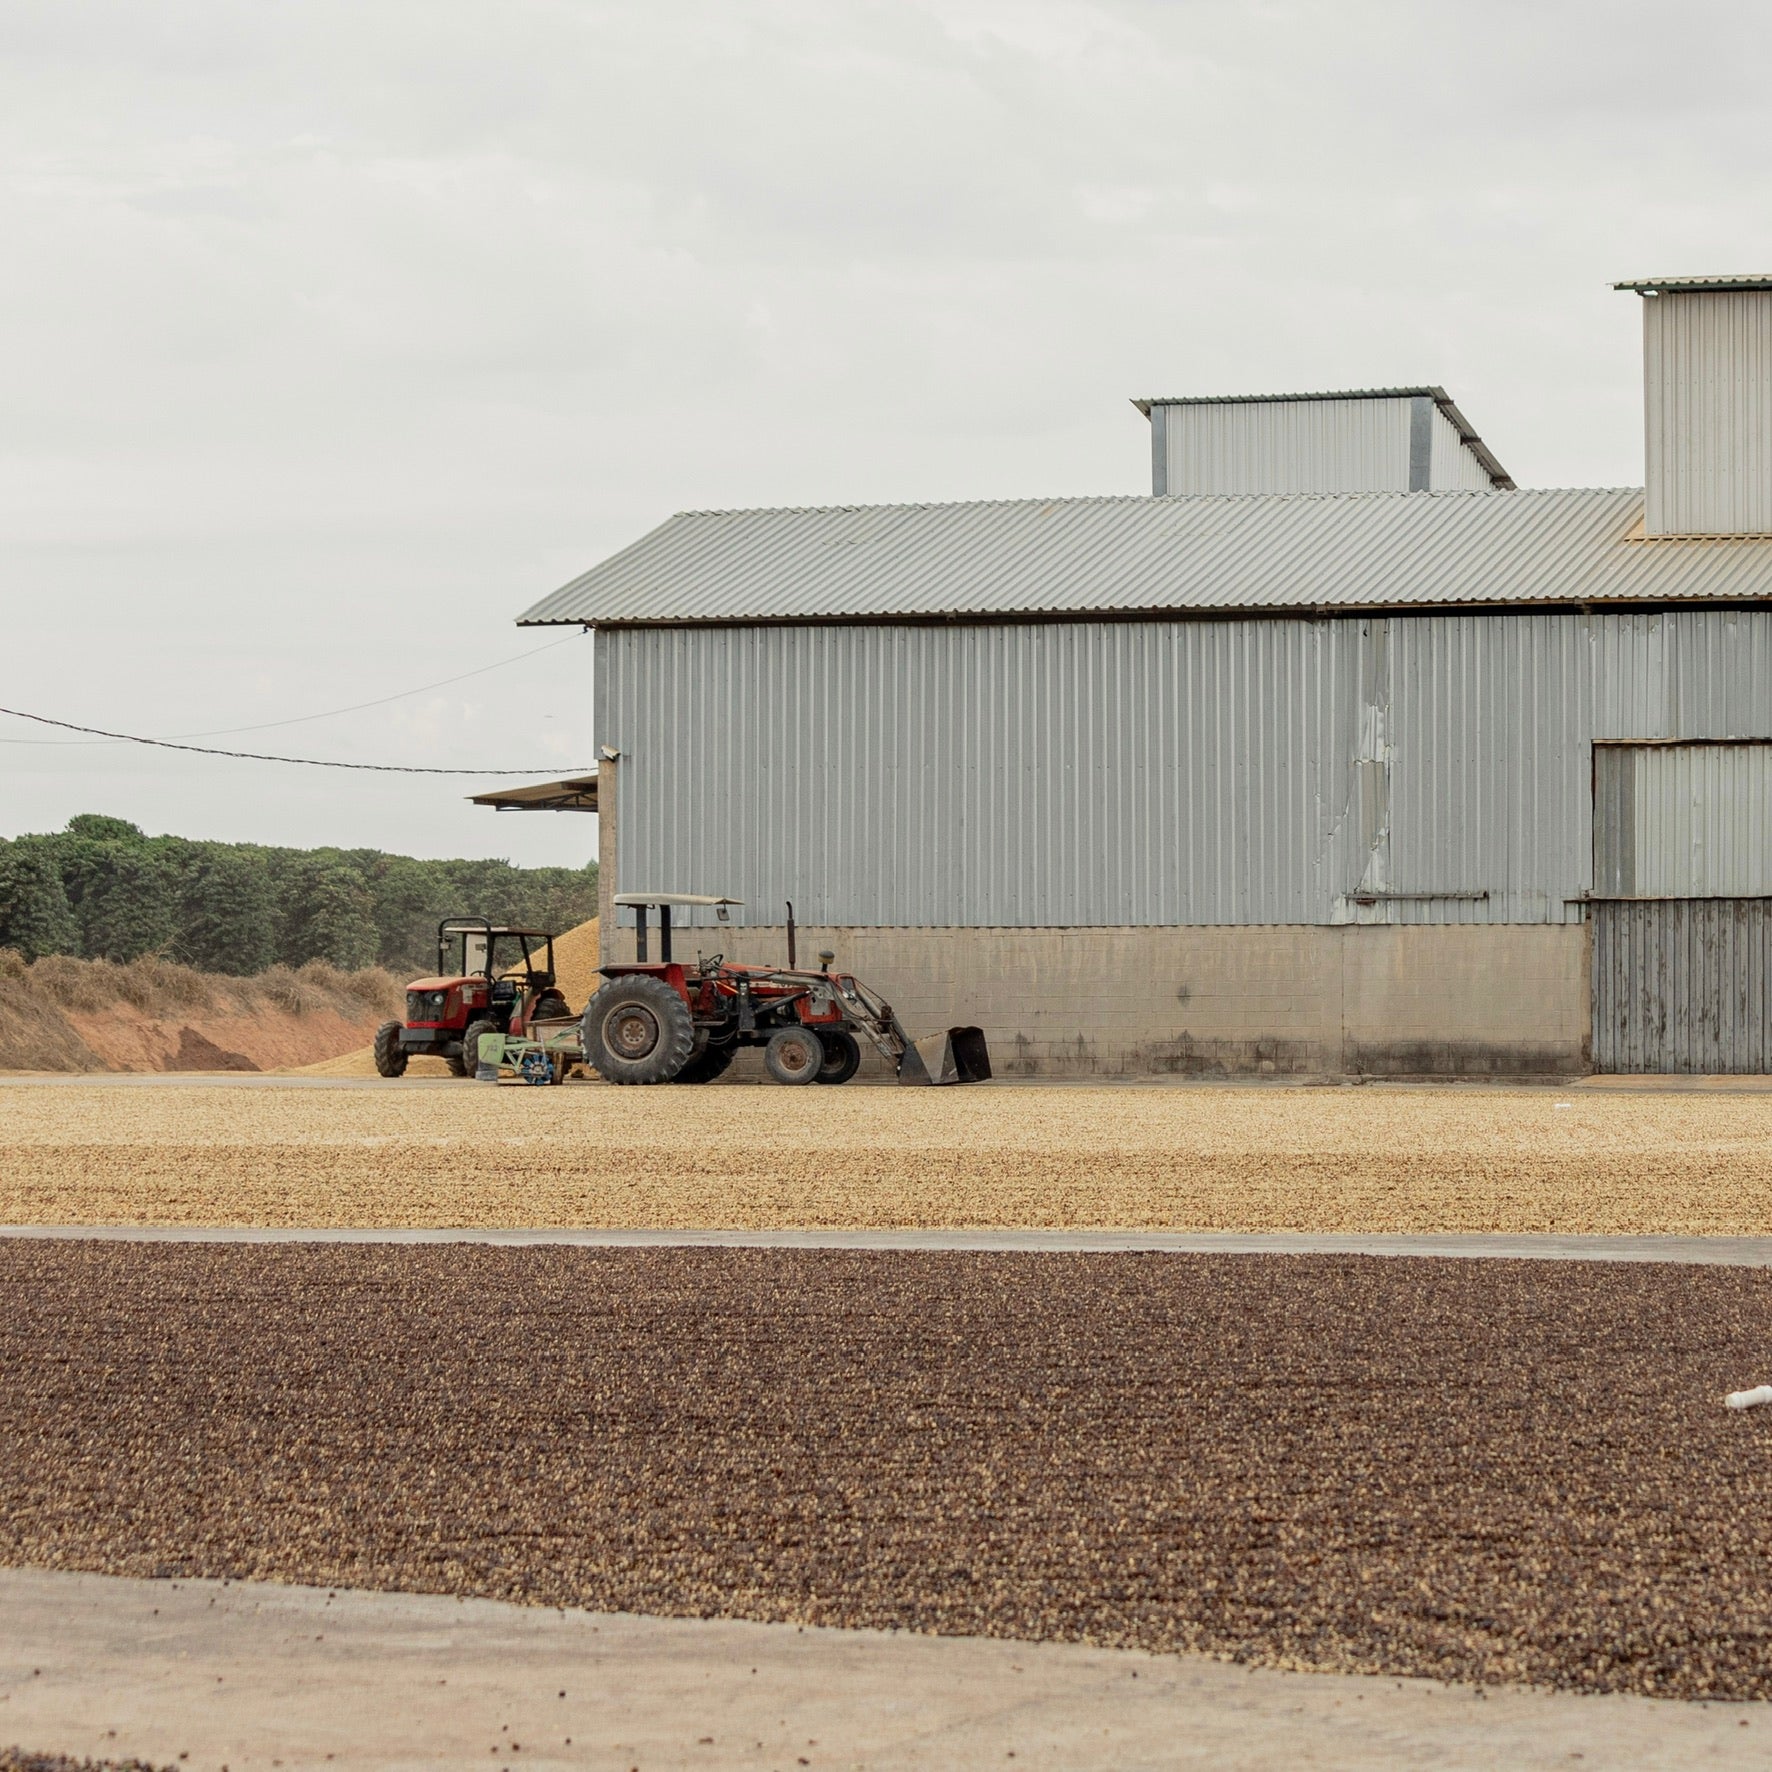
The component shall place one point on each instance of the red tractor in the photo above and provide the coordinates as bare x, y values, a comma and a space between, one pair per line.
491, 979
667, 1021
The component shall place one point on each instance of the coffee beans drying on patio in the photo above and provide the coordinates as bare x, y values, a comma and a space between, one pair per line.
1480, 1470
1372, 1159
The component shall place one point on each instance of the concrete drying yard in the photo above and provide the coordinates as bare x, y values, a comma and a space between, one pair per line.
1495, 1473
1307, 1159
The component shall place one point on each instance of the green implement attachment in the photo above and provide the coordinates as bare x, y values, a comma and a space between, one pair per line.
546, 1054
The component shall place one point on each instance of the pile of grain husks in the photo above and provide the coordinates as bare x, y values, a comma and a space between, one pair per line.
466, 1154
1473, 1470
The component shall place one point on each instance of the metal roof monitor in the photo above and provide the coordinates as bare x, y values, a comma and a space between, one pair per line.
1707, 404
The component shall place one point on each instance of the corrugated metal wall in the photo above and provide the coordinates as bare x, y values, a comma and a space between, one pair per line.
1683, 985
1410, 769
1708, 406
1287, 446
1683, 820
1320, 445
1455, 468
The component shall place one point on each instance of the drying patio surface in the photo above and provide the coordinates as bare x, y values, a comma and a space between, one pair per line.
1486, 1471
1199, 1158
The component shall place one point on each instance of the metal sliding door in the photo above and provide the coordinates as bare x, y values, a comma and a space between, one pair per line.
1683, 984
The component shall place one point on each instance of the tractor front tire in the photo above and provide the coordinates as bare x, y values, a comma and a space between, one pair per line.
470, 1044
637, 1030
390, 1055
842, 1057
794, 1055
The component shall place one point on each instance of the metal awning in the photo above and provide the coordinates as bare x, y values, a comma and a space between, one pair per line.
577, 793
651, 898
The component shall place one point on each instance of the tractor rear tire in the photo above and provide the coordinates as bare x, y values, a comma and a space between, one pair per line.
707, 1064
637, 1030
390, 1055
794, 1055
842, 1057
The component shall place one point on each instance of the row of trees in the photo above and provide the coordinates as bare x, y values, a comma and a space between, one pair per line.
102, 889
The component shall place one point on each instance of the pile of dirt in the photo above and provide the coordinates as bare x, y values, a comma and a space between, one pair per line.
63, 1014
1489, 1471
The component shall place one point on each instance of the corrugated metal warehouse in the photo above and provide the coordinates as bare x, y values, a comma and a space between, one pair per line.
1338, 753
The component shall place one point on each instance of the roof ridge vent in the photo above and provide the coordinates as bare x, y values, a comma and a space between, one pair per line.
1363, 440
1707, 404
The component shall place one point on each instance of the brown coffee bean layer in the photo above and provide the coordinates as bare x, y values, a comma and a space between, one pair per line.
1475, 1470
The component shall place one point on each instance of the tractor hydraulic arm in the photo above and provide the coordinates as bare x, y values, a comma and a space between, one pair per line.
874, 1018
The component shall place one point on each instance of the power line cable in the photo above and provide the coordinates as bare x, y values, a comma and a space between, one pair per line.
203, 750
302, 719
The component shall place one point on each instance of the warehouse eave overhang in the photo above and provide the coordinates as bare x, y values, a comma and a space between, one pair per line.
575, 793
1177, 613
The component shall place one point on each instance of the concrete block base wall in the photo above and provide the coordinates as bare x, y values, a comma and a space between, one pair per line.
1285, 1000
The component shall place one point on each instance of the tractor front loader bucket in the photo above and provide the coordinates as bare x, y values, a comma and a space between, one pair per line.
958, 1056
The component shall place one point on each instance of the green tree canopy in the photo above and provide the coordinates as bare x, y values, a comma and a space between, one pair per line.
104, 888
35, 916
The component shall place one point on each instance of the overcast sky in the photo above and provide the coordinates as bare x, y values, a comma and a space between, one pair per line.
333, 333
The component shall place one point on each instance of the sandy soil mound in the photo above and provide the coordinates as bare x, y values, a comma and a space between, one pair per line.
271, 1039
63, 1014
35, 1034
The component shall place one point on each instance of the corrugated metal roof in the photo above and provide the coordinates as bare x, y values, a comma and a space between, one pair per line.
1145, 405
1654, 285
1133, 554
1498, 475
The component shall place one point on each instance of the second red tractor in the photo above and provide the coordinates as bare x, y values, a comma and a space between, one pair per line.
670, 1021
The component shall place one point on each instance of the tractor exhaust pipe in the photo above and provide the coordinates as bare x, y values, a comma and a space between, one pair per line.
958, 1056
793, 955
